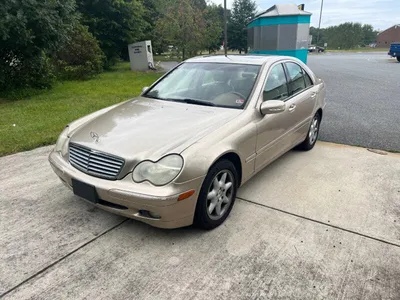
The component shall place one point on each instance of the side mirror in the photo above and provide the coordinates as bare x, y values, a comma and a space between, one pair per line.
272, 107
145, 89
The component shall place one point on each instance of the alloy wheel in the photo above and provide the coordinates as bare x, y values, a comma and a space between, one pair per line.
313, 133
219, 196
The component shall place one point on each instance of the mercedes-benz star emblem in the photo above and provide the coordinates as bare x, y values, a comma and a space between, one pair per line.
94, 136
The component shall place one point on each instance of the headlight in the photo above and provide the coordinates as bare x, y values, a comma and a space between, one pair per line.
159, 173
61, 141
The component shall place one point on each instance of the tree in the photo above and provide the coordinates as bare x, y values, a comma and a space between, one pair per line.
200, 4
344, 36
153, 12
183, 25
115, 23
80, 57
243, 11
314, 34
369, 34
31, 31
214, 21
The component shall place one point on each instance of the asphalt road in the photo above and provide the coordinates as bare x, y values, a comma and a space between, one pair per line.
363, 99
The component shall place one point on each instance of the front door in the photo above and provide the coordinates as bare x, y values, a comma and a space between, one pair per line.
273, 130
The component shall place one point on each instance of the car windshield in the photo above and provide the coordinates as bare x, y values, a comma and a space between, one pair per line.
212, 84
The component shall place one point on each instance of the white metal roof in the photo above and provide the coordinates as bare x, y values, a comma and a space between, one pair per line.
283, 10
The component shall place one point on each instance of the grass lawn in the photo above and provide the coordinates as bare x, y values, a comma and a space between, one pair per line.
41, 118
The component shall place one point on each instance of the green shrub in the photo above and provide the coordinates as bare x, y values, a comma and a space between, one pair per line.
30, 32
80, 57
26, 72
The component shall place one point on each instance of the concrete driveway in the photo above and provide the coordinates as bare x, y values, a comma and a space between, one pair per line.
324, 224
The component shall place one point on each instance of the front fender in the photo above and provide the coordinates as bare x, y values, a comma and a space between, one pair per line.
239, 139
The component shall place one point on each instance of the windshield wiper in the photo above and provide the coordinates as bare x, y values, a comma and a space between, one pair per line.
186, 100
198, 102
153, 97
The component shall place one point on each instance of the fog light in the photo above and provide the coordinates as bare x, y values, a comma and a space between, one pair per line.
154, 215
149, 214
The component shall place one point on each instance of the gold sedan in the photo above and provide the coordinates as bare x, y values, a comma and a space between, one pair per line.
177, 154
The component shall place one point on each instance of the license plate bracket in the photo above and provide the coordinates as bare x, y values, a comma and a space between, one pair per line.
85, 191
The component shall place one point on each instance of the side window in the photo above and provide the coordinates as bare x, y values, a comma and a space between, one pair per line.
296, 77
276, 86
307, 79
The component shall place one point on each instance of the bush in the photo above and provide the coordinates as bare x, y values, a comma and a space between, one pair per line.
80, 57
30, 32
26, 72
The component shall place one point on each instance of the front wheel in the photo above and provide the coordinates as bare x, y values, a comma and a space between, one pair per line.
217, 195
312, 134
398, 58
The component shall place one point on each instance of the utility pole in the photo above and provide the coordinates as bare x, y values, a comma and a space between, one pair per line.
320, 17
225, 30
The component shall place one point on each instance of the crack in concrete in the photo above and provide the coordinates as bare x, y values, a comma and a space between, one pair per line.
320, 222
61, 259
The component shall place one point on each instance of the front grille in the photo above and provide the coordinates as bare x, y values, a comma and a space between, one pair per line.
94, 162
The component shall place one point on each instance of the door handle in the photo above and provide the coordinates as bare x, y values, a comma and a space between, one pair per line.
313, 95
292, 107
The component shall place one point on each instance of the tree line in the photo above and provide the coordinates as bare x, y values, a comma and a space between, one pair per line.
344, 36
42, 41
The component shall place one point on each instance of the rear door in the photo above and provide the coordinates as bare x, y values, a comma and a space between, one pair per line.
301, 103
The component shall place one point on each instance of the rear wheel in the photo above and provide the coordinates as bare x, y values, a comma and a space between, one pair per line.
217, 195
312, 134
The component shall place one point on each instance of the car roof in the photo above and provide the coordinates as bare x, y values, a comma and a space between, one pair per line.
238, 59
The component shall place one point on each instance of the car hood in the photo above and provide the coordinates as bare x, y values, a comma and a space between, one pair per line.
148, 129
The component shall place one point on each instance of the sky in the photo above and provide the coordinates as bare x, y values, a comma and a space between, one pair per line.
381, 14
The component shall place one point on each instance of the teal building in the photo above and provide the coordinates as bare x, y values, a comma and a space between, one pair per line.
283, 29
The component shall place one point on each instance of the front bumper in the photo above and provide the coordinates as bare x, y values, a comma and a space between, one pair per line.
130, 199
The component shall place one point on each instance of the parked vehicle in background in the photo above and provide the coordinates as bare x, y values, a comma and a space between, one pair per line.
313, 48
394, 51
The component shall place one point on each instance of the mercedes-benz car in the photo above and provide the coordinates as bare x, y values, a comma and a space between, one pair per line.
177, 154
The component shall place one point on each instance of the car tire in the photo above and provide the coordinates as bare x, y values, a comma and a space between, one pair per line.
312, 134
216, 199
398, 58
